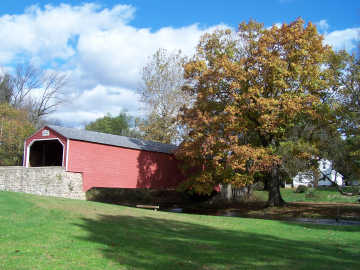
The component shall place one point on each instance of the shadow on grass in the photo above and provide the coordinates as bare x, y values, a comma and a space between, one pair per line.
155, 243
290, 211
328, 225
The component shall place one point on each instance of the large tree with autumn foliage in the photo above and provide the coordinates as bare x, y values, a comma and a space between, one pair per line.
256, 91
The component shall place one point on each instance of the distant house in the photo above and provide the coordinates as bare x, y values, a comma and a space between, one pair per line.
104, 160
327, 176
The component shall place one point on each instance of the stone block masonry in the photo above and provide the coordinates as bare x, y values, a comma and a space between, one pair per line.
47, 181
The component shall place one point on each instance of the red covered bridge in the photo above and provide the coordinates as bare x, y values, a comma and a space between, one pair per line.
104, 160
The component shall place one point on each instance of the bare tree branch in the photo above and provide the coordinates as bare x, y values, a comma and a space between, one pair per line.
36, 91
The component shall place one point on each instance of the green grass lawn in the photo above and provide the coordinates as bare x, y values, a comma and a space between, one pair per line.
323, 194
51, 233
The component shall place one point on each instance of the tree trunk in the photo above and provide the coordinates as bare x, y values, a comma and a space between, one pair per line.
316, 178
275, 198
250, 190
266, 183
226, 192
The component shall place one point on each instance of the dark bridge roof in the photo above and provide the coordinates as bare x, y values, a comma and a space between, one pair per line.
109, 139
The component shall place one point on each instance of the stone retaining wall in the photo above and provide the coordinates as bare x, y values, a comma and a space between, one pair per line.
47, 181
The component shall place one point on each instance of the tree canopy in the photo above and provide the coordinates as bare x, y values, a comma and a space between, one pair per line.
163, 78
116, 125
345, 70
256, 91
14, 129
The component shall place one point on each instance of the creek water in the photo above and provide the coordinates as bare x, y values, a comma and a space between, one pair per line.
235, 213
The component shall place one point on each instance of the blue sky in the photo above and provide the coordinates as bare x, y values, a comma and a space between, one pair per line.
160, 13
102, 45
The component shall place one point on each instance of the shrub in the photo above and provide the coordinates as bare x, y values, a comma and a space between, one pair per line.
301, 189
259, 186
135, 196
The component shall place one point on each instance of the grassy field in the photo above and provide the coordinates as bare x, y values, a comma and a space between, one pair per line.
49, 233
323, 194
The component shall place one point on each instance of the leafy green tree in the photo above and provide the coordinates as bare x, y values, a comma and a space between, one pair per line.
254, 90
116, 125
345, 73
14, 129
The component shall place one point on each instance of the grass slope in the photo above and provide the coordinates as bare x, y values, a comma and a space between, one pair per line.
50, 233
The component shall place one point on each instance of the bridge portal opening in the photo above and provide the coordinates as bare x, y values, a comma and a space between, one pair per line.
46, 153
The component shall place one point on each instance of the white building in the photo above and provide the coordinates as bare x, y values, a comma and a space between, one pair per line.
326, 172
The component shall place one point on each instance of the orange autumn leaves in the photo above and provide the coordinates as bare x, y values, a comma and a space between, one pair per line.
251, 88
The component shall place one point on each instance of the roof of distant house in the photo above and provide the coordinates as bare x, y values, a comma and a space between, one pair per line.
109, 139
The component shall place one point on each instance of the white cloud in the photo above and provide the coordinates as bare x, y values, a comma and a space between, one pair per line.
346, 39
98, 47
116, 56
98, 42
45, 33
322, 25
88, 105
